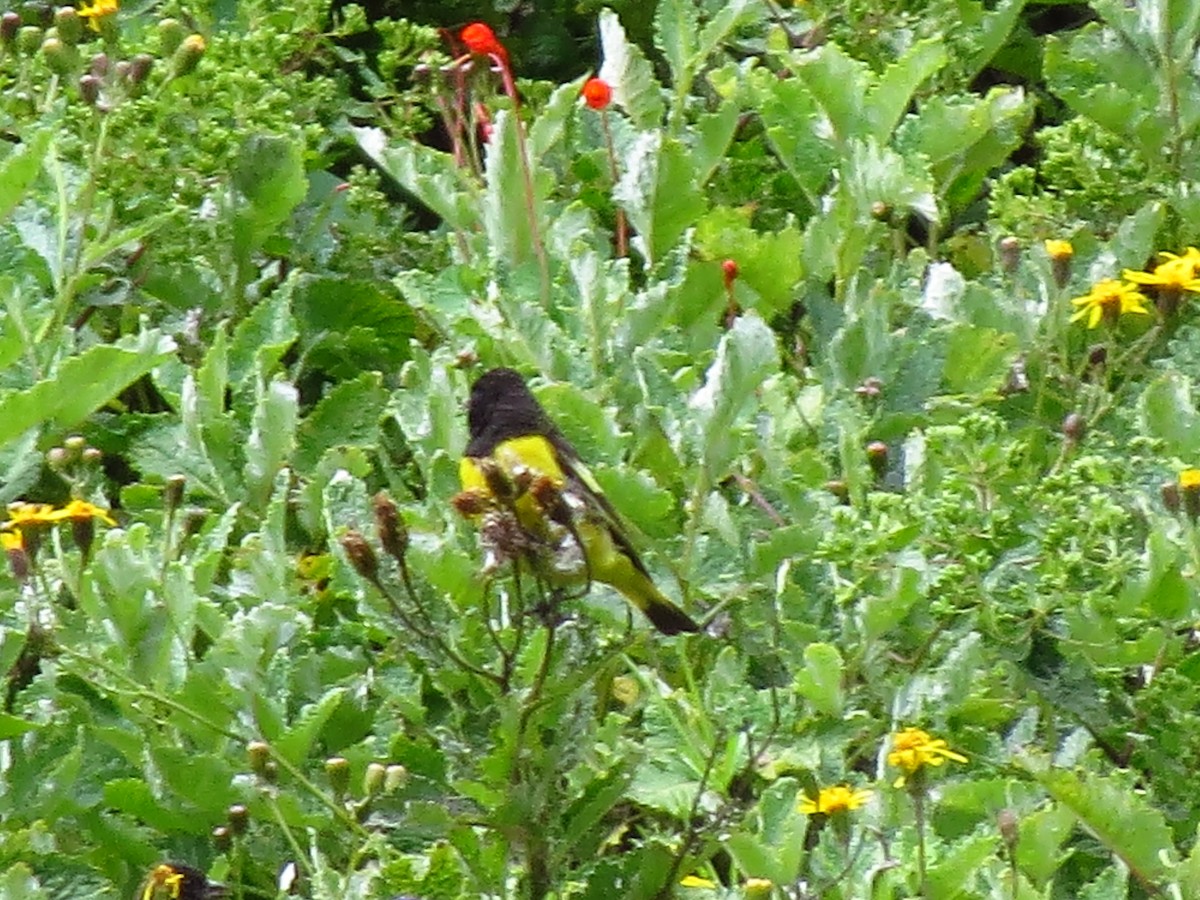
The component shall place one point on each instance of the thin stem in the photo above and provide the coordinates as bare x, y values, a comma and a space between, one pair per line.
918, 796
614, 173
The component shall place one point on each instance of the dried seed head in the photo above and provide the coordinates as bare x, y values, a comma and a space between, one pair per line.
393, 533
361, 555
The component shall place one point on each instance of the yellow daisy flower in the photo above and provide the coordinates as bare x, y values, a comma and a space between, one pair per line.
839, 798
1174, 273
913, 749
1108, 301
1056, 249
1189, 479
81, 510
94, 12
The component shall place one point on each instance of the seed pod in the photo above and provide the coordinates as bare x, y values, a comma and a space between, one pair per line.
877, 456
1074, 427
393, 534
361, 555
10, 24
139, 68
838, 488
222, 839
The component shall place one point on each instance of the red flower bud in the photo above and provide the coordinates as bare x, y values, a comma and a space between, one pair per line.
597, 93
730, 269
482, 41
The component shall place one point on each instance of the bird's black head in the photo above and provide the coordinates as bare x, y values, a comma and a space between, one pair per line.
501, 407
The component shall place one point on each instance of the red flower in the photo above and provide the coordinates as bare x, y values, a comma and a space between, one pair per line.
730, 269
482, 41
597, 93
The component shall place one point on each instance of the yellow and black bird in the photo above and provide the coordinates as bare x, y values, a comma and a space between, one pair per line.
175, 881
517, 460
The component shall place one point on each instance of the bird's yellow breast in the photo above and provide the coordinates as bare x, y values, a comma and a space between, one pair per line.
532, 453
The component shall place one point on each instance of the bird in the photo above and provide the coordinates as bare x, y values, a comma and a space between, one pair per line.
175, 881
538, 501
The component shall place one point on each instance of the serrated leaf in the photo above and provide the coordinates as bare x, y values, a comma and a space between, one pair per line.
1119, 818
747, 354
511, 218
978, 360
348, 415
820, 681
894, 91
431, 176
298, 741
82, 384
630, 75
272, 436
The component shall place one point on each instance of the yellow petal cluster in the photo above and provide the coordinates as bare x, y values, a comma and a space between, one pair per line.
1108, 301
913, 749
94, 12
836, 799
1173, 273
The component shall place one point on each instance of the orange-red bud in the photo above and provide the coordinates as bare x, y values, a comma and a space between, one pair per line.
482, 41
730, 270
597, 93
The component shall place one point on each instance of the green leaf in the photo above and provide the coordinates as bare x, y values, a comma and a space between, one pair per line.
630, 75
1118, 817
12, 726
839, 85
1168, 413
978, 360
820, 681
747, 354
1137, 235
659, 192
1040, 848
347, 325
510, 216
298, 741
955, 872
272, 436
894, 92
270, 176
21, 166
348, 415
428, 174
82, 384
676, 28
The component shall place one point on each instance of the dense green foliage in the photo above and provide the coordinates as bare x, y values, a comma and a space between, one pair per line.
789, 294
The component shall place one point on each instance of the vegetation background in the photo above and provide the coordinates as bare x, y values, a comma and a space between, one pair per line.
790, 292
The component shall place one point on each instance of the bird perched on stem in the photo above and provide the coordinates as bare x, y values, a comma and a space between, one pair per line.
538, 502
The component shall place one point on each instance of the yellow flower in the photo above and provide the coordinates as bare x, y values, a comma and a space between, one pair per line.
11, 540
1174, 273
695, 881
164, 881
94, 12
1107, 302
31, 514
839, 798
1189, 479
912, 749
1056, 249
81, 510
757, 888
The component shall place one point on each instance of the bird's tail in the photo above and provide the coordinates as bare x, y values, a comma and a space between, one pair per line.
662, 613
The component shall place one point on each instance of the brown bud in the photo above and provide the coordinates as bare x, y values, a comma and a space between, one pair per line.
1006, 822
122, 69
222, 839
870, 388
393, 533
1171, 498
1074, 427
89, 89
10, 24
99, 65
1010, 254
470, 504
881, 212
260, 754
502, 489
1097, 355
361, 555
337, 770
838, 488
877, 456
139, 68
84, 532
18, 557
239, 818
